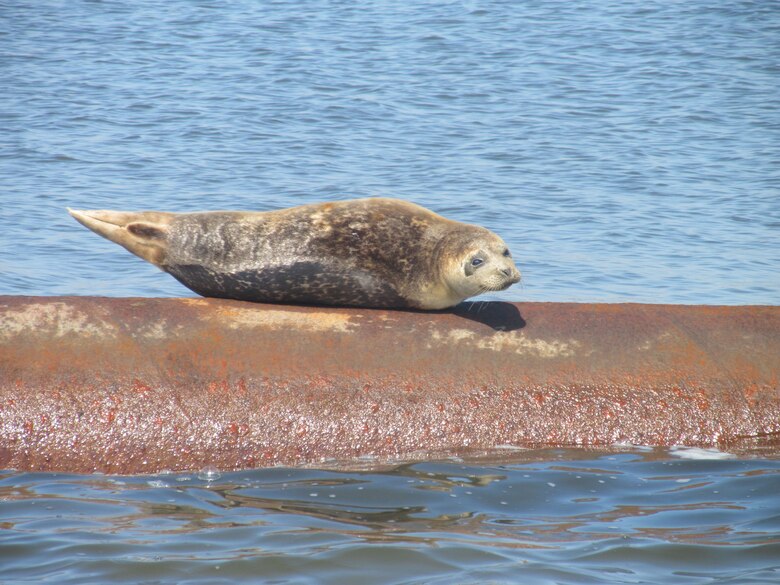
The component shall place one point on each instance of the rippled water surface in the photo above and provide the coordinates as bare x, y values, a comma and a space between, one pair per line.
626, 151
556, 517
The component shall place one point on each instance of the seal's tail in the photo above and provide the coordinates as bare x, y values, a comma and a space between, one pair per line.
143, 233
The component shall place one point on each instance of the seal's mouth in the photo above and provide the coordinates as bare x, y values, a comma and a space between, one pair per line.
503, 285
500, 280
507, 284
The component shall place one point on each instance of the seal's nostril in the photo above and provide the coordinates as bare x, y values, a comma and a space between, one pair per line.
506, 271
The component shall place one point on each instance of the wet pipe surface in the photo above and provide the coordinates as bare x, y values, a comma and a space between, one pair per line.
137, 385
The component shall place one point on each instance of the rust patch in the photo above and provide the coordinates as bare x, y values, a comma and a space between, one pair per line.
140, 385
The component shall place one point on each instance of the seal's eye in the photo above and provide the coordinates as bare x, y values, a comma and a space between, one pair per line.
506, 252
476, 262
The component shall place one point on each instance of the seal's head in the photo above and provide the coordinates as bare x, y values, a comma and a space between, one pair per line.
476, 261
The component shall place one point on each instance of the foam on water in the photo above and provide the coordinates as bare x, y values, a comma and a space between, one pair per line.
698, 453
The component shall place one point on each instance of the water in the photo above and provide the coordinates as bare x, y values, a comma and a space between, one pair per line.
626, 151
556, 517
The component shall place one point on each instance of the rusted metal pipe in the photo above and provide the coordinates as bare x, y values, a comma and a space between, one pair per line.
142, 385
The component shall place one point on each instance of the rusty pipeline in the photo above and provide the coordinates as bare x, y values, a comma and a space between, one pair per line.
137, 385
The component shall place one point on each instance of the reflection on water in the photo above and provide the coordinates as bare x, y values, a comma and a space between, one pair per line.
570, 514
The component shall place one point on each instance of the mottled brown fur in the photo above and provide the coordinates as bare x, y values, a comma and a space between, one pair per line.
368, 252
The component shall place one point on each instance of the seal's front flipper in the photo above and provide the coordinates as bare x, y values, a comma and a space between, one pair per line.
143, 233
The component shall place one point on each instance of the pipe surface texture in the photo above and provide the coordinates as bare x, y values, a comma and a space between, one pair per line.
143, 385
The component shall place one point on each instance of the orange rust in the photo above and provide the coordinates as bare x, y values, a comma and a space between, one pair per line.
139, 385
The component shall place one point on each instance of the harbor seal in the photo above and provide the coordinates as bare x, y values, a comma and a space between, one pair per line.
376, 252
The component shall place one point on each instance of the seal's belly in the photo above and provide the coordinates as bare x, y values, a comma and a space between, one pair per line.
303, 282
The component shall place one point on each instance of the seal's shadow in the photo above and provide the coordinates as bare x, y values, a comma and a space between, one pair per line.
495, 314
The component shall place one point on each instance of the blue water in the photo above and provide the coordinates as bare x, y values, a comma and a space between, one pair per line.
626, 151
633, 517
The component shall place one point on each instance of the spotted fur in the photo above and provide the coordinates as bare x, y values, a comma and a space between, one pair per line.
375, 252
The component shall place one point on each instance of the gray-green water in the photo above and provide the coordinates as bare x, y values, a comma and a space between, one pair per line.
563, 516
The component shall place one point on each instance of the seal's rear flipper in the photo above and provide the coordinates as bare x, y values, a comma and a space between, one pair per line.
143, 233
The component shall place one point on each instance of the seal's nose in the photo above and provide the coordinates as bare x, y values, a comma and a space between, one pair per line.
513, 274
